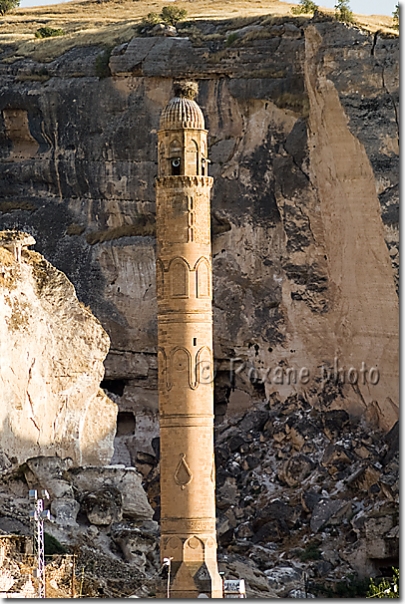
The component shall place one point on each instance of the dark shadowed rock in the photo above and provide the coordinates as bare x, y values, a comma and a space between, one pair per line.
329, 511
334, 422
296, 469
103, 507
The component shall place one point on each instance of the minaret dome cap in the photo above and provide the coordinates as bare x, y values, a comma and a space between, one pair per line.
182, 111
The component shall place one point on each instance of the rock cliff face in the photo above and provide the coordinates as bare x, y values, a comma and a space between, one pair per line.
303, 136
51, 363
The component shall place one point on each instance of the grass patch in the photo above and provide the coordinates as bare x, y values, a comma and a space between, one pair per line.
311, 552
41, 270
114, 22
298, 103
75, 229
267, 73
49, 32
231, 39
211, 37
216, 57
256, 35
10, 206
239, 22
145, 226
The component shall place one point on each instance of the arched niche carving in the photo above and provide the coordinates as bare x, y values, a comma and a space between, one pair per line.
204, 367
179, 273
162, 367
194, 549
180, 368
175, 158
203, 278
173, 544
193, 163
160, 279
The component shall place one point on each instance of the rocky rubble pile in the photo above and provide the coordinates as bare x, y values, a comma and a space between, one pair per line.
307, 499
307, 507
101, 514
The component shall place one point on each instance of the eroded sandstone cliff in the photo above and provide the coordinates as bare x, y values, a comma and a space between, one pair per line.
302, 119
303, 126
52, 350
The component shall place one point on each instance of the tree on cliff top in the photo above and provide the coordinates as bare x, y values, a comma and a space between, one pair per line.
170, 15
7, 5
395, 17
304, 7
343, 12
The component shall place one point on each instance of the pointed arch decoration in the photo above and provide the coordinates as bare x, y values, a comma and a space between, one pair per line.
193, 163
204, 367
160, 279
162, 367
180, 363
175, 159
203, 278
194, 550
179, 273
174, 147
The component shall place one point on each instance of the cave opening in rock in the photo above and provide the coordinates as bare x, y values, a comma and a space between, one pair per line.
114, 386
125, 423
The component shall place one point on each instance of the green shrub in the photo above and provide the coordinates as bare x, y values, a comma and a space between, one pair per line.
304, 7
231, 39
172, 15
343, 12
152, 19
52, 546
7, 5
48, 32
311, 552
385, 588
395, 17
75, 229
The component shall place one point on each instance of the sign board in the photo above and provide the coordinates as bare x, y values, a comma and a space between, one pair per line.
234, 588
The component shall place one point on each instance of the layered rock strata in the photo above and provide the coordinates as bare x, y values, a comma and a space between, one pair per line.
303, 140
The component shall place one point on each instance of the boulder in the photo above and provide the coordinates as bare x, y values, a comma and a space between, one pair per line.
309, 499
299, 593
127, 481
65, 511
283, 579
136, 544
256, 581
334, 422
103, 507
329, 511
296, 469
49, 473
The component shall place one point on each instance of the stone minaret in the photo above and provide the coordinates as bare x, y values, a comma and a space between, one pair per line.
184, 291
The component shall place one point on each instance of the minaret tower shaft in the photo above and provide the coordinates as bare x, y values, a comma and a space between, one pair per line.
185, 357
